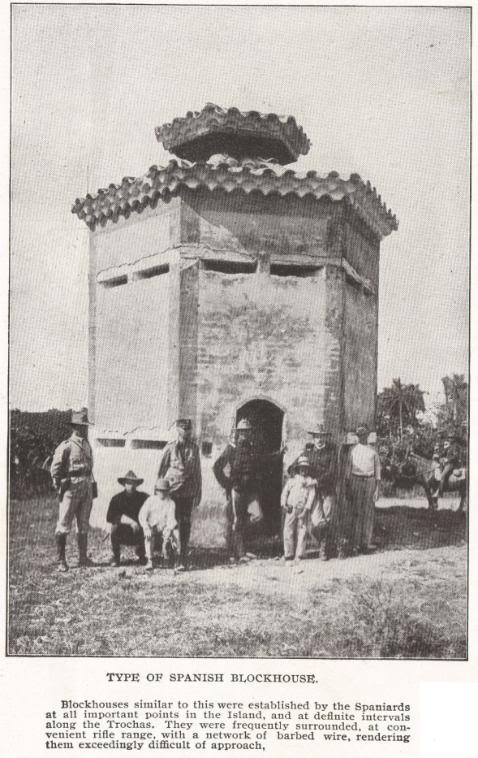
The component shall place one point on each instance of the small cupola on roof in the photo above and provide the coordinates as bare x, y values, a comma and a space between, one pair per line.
235, 133
233, 150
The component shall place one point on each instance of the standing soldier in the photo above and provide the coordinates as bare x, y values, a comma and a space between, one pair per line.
72, 475
181, 466
323, 460
362, 476
244, 461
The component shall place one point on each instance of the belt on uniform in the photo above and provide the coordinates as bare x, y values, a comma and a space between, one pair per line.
364, 476
79, 472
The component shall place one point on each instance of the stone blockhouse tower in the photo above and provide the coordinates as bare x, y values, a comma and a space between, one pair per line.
226, 285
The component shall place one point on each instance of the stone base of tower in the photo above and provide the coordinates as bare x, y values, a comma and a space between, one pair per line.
229, 287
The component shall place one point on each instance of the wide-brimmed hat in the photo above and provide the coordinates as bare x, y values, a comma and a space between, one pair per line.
244, 423
319, 429
80, 418
130, 478
302, 461
362, 429
184, 423
163, 485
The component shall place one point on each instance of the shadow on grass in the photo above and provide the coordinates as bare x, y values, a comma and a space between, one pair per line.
401, 526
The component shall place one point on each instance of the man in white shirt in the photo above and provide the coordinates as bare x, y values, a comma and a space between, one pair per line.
362, 476
157, 516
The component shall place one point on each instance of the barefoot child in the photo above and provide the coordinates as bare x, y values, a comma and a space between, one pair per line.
297, 499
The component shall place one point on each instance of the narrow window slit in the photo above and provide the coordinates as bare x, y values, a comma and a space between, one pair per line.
148, 444
230, 267
116, 282
278, 269
110, 442
148, 273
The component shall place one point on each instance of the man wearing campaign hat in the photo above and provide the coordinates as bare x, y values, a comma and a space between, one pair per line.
123, 515
72, 475
322, 455
362, 477
181, 466
244, 461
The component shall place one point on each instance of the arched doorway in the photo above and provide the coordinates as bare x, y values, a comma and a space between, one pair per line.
267, 420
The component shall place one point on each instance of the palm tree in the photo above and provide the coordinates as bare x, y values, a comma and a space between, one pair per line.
455, 389
401, 402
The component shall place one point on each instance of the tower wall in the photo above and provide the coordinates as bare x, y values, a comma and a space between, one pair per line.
288, 227
132, 390
361, 248
195, 342
360, 357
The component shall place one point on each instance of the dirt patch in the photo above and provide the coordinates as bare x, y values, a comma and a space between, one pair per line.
406, 600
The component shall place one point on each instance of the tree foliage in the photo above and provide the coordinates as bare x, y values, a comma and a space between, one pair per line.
397, 408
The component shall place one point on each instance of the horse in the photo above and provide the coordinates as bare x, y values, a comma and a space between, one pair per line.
431, 475
415, 469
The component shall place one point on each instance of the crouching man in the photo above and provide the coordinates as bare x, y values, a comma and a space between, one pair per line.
123, 513
157, 518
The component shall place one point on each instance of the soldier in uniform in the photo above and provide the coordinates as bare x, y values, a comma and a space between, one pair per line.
72, 475
323, 461
245, 463
181, 466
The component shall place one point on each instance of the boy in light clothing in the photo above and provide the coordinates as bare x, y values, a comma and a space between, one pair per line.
297, 499
157, 516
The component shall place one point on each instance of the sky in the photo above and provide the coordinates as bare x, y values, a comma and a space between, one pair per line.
382, 92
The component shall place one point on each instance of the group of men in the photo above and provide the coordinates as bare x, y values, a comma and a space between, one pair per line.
321, 477
135, 517
309, 498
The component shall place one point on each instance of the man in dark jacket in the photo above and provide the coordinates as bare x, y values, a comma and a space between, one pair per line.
181, 466
245, 462
123, 513
323, 461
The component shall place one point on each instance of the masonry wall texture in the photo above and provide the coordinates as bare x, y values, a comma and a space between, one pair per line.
190, 341
226, 280
360, 357
254, 223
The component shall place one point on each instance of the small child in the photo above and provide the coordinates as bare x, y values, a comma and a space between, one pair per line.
157, 516
297, 500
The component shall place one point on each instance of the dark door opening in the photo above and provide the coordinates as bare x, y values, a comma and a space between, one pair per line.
267, 420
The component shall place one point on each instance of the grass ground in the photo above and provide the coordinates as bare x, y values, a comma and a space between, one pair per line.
406, 600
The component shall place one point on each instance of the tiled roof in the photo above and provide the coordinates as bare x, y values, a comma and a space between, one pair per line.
240, 134
226, 174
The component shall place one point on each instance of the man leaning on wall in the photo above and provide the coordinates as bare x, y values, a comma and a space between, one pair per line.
362, 477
